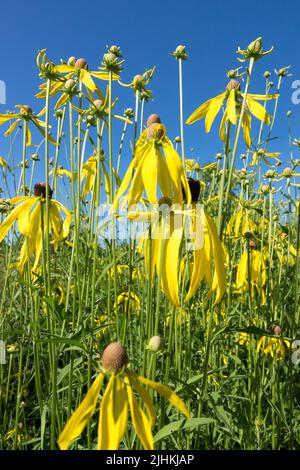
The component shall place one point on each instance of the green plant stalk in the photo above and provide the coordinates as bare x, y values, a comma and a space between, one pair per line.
181, 109
237, 135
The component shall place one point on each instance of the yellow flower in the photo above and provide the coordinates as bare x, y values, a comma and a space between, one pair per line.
25, 114
167, 234
258, 277
233, 97
60, 171
275, 347
244, 339
88, 174
124, 298
77, 69
28, 212
155, 161
3, 162
261, 154
239, 223
119, 397
101, 322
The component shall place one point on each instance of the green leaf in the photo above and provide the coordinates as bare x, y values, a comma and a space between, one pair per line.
181, 425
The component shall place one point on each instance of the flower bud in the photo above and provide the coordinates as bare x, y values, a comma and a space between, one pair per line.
233, 85
289, 113
114, 357
156, 343
116, 50
219, 156
177, 139
90, 120
267, 74
180, 52
58, 113
270, 174
98, 104
296, 162
265, 188
129, 113
81, 64
255, 47
138, 82
70, 86
71, 61
287, 172
35, 157
153, 119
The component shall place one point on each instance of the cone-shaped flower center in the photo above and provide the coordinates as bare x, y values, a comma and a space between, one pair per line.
233, 85
81, 64
156, 132
114, 357
40, 190
153, 119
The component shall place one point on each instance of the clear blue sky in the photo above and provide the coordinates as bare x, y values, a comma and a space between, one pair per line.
147, 32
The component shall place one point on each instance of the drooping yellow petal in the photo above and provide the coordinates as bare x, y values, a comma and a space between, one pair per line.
222, 130
140, 420
200, 112
67, 222
213, 110
146, 399
106, 421
241, 275
163, 175
63, 68
87, 80
11, 218
7, 117
12, 127
262, 97
149, 174
119, 416
231, 107
258, 111
167, 393
81, 416
219, 279
246, 123
170, 264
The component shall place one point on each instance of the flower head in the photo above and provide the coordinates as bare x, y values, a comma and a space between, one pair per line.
233, 97
28, 213
119, 397
254, 51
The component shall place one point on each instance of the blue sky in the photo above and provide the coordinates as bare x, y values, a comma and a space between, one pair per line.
147, 32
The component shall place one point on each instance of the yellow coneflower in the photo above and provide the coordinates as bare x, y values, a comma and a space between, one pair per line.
155, 162
119, 397
25, 114
274, 347
166, 239
125, 299
29, 212
60, 171
260, 155
75, 69
88, 175
254, 261
240, 222
233, 97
